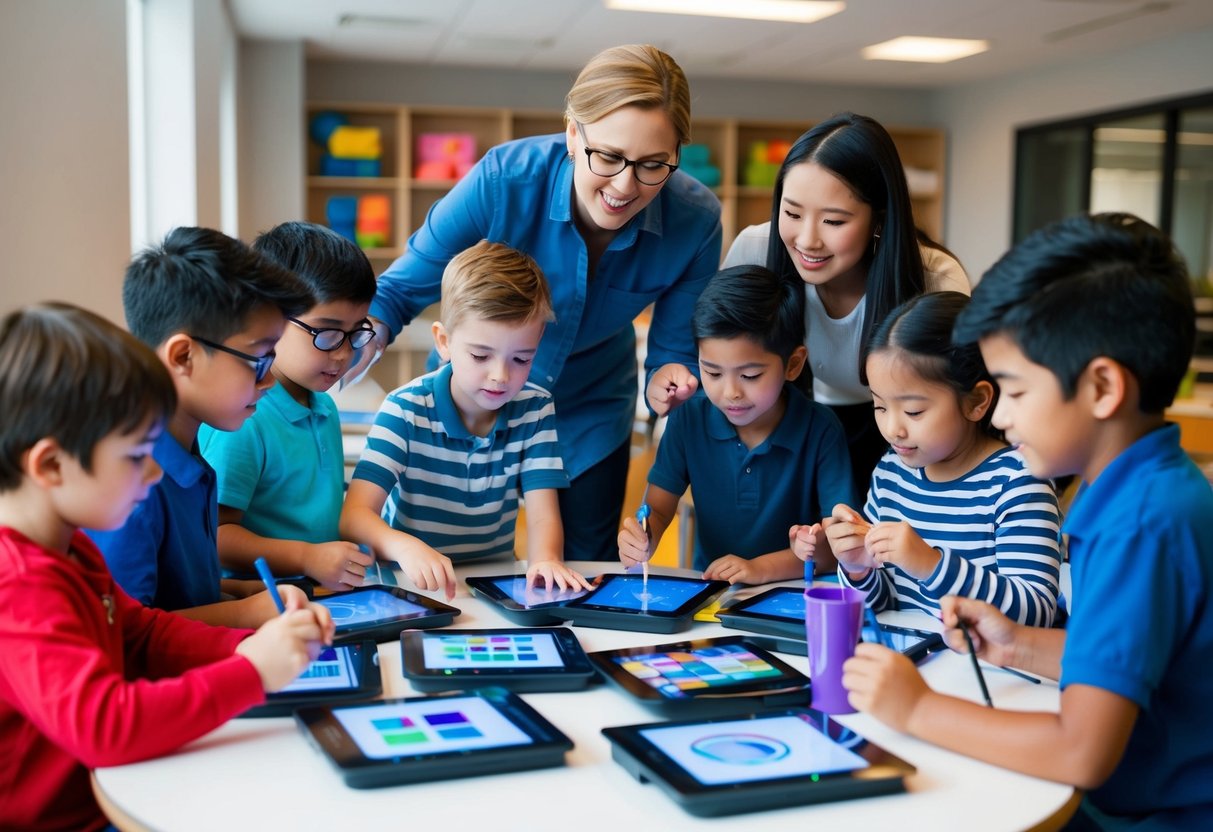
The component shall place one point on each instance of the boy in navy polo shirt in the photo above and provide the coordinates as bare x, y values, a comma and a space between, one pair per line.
1088, 327
213, 310
757, 454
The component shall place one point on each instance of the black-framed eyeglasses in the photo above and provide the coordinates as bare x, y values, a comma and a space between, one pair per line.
328, 339
259, 364
605, 163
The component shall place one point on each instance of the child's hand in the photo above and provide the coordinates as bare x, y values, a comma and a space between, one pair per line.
845, 532
994, 635
554, 573
898, 543
803, 540
261, 607
427, 568
670, 386
284, 646
884, 683
735, 570
634, 544
337, 565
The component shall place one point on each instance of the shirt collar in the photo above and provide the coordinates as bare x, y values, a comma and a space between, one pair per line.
181, 466
787, 432
1121, 476
449, 414
284, 403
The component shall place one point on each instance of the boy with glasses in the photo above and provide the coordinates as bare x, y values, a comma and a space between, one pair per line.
213, 311
282, 474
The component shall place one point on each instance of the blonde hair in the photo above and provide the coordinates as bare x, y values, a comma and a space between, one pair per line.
638, 74
494, 282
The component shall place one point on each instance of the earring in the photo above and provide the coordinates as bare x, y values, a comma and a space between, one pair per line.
875, 237
571, 156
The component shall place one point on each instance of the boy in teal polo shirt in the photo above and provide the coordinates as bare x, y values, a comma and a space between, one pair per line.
1088, 327
759, 457
282, 474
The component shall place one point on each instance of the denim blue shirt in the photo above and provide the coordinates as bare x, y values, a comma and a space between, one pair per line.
521, 194
1141, 558
746, 499
166, 555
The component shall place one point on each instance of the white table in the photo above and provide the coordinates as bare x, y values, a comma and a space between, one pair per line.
262, 774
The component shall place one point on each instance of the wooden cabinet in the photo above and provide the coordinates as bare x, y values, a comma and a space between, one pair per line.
729, 141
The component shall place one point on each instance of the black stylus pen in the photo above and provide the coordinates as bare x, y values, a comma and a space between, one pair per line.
981, 679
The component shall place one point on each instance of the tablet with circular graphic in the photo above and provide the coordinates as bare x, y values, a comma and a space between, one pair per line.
711, 675
662, 604
534, 659
381, 612
763, 761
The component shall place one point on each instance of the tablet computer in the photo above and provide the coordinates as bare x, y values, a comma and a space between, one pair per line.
763, 761
780, 612
381, 612
625, 602
424, 738
537, 659
341, 673
526, 606
711, 675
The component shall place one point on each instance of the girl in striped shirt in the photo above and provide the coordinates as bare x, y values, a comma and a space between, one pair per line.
952, 509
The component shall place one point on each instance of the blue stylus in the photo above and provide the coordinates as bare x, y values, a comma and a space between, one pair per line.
263, 569
808, 572
642, 517
875, 625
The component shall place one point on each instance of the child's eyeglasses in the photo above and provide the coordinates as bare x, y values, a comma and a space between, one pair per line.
328, 339
260, 364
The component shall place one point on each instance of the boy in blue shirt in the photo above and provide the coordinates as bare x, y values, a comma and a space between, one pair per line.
758, 455
282, 474
212, 310
1088, 326
451, 452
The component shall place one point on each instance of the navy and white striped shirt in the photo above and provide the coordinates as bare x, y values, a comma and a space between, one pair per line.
997, 528
455, 491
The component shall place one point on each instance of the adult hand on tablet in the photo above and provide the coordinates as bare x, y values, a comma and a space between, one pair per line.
670, 386
635, 547
285, 645
555, 574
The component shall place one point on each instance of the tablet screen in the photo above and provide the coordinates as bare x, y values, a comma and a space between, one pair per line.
490, 652
628, 592
333, 670
355, 609
537, 596
442, 725
789, 605
679, 674
746, 750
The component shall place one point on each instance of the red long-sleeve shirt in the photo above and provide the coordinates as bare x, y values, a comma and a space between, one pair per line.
90, 677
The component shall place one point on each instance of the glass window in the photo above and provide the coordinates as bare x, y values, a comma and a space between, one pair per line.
1051, 177
1127, 170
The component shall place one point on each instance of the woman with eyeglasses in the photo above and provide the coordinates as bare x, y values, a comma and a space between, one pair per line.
615, 227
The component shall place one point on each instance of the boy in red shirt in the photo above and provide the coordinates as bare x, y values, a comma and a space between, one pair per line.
88, 676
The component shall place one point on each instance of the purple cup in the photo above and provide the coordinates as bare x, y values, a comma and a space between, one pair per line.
833, 620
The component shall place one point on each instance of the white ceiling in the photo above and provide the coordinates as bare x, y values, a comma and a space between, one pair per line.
562, 34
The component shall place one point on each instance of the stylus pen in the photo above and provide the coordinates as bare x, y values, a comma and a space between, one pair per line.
981, 679
271, 586
1019, 673
875, 625
642, 517
808, 573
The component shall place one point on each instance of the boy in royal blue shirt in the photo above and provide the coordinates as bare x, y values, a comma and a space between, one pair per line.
212, 310
759, 457
282, 474
1088, 327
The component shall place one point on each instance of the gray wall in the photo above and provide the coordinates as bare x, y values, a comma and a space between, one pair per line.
271, 139
65, 205
982, 119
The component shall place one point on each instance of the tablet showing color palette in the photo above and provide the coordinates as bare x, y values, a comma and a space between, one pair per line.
784, 758
520, 659
381, 612
662, 604
433, 737
720, 674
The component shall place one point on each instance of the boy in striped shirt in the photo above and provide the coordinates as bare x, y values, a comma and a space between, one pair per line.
451, 452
